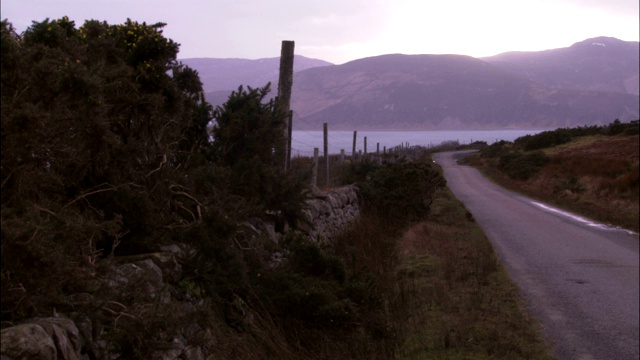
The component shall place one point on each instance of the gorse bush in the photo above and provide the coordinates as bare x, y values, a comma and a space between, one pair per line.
400, 190
105, 153
248, 139
91, 120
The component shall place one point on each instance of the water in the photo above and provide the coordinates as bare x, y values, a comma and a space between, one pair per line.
303, 142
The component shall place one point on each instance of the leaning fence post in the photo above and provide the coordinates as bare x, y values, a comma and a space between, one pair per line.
341, 157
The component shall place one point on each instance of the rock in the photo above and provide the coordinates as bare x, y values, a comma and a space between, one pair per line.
314, 208
261, 227
27, 341
65, 336
193, 353
141, 280
43, 338
166, 262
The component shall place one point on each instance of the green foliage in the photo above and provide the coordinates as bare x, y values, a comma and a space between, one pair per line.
617, 128
358, 172
105, 152
248, 138
313, 289
547, 139
521, 166
633, 128
496, 149
248, 130
544, 139
91, 122
401, 190
309, 260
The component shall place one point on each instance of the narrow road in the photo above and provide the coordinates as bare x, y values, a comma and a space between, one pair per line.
580, 279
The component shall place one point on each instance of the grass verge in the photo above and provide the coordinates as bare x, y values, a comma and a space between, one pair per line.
460, 302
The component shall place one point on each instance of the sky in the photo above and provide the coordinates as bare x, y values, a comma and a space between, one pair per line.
339, 31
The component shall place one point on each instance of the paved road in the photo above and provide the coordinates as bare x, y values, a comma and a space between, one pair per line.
579, 278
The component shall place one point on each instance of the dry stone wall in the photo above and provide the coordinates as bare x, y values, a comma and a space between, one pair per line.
330, 212
156, 276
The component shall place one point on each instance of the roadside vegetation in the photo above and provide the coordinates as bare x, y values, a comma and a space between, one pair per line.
461, 304
592, 171
106, 156
444, 293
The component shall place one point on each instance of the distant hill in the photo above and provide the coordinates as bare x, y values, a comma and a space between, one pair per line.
443, 92
591, 82
600, 64
221, 76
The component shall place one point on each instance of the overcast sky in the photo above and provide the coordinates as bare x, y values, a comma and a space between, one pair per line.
342, 30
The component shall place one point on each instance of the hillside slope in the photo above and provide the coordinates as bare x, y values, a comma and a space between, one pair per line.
446, 92
591, 82
594, 174
598, 64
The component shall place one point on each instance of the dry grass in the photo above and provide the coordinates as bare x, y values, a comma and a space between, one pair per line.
460, 302
595, 176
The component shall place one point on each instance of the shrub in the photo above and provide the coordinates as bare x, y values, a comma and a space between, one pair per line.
403, 190
615, 128
521, 166
358, 172
496, 149
544, 139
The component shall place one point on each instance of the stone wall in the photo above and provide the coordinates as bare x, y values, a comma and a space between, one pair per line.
156, 276
330, 212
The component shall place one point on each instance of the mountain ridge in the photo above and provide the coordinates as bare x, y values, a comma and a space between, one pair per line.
591, 82
578, 63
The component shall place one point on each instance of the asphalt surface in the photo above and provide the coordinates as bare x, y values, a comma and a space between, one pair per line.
579, 278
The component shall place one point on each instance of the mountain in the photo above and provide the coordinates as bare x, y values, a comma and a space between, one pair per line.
221, 76
600, 64
445, 92
591, 82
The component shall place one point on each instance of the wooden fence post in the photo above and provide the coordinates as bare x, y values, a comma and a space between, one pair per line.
287, 163
365, 146
341, 157
285, 83
314, 169
326, 153
353, 152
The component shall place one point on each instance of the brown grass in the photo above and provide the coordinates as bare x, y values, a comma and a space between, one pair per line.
595, 176
461, 304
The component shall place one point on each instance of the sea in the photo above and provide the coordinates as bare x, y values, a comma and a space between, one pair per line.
303, 142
